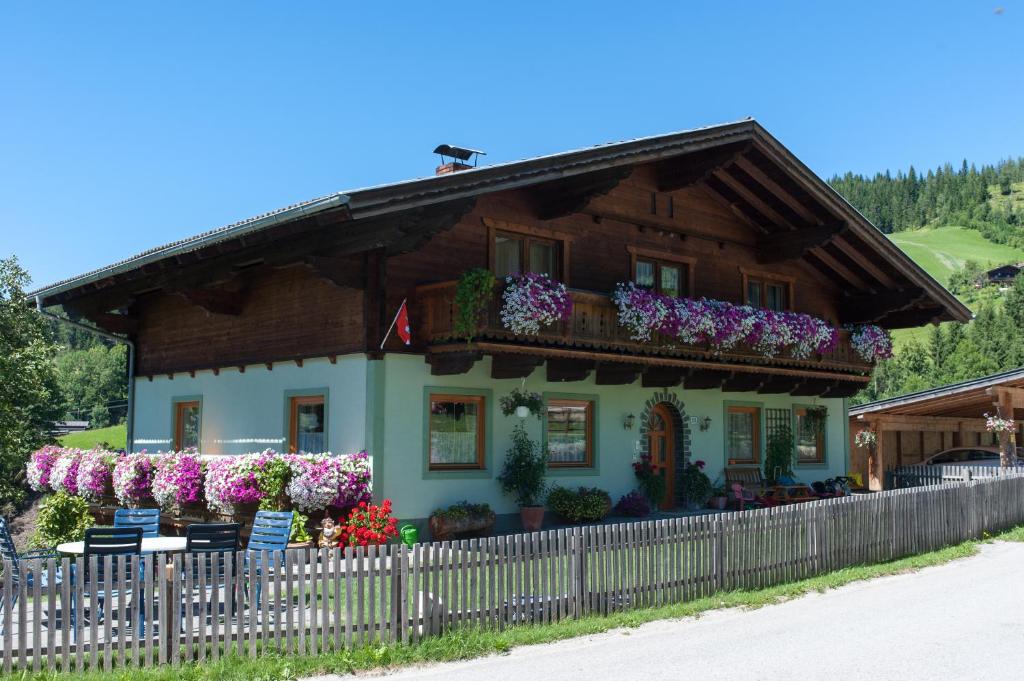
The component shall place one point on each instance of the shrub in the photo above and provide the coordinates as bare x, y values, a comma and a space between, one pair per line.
778, 456
585, 504
463, 510
696, 485
62, 518
634, 505
525, 469
652, 482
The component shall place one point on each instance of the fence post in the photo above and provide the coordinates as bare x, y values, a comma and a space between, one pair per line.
718, 543
579, 558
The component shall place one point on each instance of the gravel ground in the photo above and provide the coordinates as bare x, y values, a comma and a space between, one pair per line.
961, 620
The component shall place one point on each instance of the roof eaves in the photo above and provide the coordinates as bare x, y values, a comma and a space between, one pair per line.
942, 391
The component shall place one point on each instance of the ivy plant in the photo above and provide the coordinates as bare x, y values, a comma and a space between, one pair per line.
472, 296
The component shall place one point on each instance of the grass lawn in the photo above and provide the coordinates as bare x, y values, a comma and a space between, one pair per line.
115, 436
469, 643
942, 250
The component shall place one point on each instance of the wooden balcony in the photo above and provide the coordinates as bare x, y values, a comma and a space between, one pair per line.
593, 334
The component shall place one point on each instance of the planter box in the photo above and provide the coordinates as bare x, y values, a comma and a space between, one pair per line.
443, 529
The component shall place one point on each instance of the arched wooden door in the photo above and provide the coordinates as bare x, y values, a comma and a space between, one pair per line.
661, 447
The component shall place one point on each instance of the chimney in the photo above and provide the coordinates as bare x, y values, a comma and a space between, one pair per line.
455, 159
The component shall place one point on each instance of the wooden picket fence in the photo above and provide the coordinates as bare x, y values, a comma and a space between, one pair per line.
202, 607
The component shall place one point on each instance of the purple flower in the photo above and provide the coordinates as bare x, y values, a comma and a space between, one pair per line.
178, 478
532, 301
40, 465
133, 478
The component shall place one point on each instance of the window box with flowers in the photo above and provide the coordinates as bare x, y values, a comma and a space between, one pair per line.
532, 302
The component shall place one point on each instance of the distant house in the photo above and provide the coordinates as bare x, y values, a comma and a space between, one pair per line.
1003, 274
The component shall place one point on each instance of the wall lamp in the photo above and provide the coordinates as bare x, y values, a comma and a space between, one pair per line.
628, 421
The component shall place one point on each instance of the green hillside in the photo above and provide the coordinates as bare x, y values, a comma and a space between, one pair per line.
113, 436
944, 249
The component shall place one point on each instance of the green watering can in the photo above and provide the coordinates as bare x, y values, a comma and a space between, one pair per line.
410, 535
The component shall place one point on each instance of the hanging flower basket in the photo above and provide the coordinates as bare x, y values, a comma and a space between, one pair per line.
815, 418
521, 403
997, 424
533, 301
865, 439
871, 342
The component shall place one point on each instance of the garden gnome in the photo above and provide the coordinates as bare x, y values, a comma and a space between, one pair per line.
329, 533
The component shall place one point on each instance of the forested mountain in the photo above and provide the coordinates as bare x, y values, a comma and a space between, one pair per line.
989, 199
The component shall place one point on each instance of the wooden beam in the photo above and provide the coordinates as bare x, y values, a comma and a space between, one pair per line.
812, 387
609, 373
912, 317
778, 385
375, 267
513, 366
868, 309
744, 382
839, 268
661, 377
563, 370
1007, 396
452, 363
762, 178
759, 204
683, 171
864, 262
342, 272
114, 323
927, 424
732, 206
215, 301
572, 194
793, 245
705, 379
843, 389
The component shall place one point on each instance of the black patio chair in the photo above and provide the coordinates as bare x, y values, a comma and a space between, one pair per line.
120, 544
20, 570
218, 542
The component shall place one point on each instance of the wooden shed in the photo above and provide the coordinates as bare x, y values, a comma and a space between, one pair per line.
913, 427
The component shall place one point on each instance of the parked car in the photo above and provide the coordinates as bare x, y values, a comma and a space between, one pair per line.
971, 456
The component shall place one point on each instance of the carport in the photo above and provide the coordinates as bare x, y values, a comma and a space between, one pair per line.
913, 427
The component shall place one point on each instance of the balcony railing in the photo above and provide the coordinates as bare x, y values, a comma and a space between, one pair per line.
594, 327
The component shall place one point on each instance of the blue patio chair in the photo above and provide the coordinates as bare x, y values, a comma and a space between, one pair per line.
146, 518
8, 552
120, 543
270, 532
220, 541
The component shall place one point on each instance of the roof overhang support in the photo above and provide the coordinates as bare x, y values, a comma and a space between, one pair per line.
868, 309
793, 245
573, 194
684, 171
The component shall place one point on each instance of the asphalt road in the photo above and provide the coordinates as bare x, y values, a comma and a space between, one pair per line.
963, 620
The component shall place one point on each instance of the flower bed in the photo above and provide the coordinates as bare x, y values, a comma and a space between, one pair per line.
721, 325
306, 482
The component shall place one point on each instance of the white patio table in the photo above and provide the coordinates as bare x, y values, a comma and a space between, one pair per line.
149, 545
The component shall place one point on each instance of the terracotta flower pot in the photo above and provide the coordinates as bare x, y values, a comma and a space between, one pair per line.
532, 517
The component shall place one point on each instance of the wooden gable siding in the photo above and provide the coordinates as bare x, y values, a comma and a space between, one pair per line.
701, 228
288, 313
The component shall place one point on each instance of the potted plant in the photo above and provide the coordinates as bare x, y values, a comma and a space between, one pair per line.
178, 483
652, 481
299, 536
634, 505
696, 485
133, 480
719, 496
472, 296
585, 504
778, 457
815, 419
461, 520
522, 478
522, 403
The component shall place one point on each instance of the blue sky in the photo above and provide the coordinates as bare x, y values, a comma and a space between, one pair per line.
127, 125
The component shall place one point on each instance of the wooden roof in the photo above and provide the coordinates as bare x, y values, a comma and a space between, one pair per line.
969, 399
796, 214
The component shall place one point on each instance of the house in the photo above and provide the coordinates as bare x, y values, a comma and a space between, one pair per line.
268, 332
910, 428
1003, 274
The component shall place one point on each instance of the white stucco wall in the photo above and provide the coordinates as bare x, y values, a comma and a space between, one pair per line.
246, 412
415, 492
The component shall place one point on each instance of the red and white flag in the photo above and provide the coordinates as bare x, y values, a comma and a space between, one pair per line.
401, 324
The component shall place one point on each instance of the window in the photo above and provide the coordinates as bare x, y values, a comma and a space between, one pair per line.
810, 442
743, 434
456, 432
307, 427
187, 424
570, 433
668, 278
517, 253
773, 295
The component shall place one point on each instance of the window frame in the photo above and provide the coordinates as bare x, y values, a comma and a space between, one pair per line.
758, 432
293, 398
562, 240
178, 405
660, 258
822, 439
764, 280
590, 405
525, 242
481, 432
